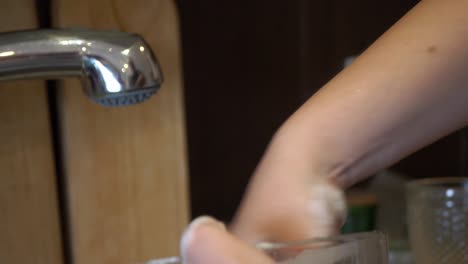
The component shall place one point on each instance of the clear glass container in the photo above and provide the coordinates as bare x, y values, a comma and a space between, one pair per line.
438, 220
359, 248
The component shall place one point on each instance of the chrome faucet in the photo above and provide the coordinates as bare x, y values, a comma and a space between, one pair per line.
116, 68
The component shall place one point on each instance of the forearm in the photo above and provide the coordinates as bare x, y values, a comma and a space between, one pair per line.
407, 90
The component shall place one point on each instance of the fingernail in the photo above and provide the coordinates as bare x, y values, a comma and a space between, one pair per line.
188, 237
206, 220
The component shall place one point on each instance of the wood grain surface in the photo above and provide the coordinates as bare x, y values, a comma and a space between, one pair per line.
29, 222
125, 167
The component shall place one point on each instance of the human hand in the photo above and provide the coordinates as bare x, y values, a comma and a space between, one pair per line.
289, 198
208, 241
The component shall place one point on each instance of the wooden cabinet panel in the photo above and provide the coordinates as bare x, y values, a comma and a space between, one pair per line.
125, 167
29, 220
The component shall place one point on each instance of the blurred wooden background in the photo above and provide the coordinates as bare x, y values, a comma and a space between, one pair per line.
81, 183
29, 216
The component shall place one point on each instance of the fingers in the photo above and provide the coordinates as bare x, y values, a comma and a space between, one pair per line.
207, 241
292, 212
326, 205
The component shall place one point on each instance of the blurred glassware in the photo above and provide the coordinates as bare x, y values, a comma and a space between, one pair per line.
359, 248
438, 220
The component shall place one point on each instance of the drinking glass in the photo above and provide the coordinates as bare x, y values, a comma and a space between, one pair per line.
438, 220
359, 248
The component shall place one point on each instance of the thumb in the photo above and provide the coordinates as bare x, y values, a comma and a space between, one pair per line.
207, 241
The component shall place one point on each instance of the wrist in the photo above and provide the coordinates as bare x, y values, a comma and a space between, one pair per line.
313, 151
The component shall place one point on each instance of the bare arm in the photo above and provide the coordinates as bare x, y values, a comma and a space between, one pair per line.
407, 90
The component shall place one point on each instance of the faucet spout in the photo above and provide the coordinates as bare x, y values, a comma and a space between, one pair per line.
116, 68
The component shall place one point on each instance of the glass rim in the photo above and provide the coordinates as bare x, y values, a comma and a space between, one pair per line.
272, 246
439, 183
324, 241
